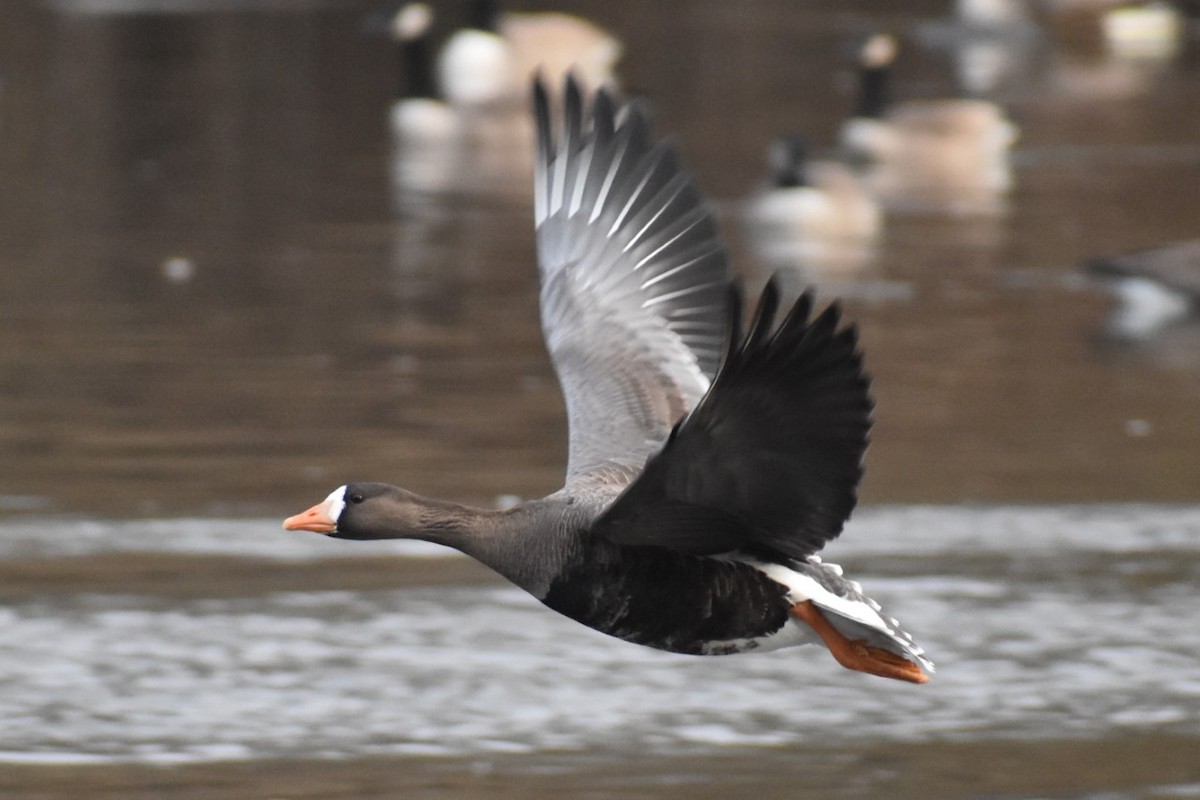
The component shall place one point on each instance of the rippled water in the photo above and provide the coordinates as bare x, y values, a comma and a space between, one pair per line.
1045, 623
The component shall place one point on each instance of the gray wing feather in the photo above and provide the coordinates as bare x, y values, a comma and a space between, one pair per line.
634, 281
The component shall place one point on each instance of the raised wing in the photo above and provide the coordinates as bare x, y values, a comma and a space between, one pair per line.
770, 459
634, 279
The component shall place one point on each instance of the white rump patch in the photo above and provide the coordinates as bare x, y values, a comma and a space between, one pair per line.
865, 611
804, 588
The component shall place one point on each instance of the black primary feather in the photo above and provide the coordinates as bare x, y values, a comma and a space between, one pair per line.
770, 459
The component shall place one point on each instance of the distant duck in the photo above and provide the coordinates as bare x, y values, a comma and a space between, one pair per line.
708, 461
815, 213
955, 150
493, 57
1154, 288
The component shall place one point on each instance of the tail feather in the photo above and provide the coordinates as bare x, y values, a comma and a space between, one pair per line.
896, 640
853, 617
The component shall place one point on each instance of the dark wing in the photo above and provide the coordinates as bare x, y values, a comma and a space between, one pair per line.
770, 459
634, 279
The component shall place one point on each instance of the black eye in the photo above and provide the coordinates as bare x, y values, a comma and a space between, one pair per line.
356, 497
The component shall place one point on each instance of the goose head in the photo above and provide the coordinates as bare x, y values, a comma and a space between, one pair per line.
362, 511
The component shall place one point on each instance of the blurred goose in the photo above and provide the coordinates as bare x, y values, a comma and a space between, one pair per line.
418, 112
815, 215
955, 149
492, 59
1153, 287
442, 146
1150, 31
428, 135
819, 200
476, 65
708, 462
555, 45
990, 41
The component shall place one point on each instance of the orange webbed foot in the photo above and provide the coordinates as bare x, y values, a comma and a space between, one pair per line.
856, 654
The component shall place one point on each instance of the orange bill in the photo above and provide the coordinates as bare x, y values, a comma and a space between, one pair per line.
316, 519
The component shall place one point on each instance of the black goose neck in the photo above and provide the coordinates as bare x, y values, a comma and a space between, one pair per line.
875, 89
484, 15
416, 69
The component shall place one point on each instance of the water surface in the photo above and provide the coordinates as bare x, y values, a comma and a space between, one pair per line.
217, 298
1046, 623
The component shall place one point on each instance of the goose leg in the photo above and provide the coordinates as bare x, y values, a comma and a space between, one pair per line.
857, 654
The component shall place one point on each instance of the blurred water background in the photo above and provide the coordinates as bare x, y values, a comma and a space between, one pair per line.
224, 290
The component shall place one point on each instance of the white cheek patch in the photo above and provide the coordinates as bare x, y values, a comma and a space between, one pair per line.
337, 503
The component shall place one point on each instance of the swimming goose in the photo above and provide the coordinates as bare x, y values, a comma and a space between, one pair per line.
440, 146
815, 217
1154, 288
476, 65
707, 464
555, 44
821, 202
950, 154
418, 113
491, 60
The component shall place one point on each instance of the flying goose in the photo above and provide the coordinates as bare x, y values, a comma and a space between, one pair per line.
708, 462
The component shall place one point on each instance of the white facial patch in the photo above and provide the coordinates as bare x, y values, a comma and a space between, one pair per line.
337, 503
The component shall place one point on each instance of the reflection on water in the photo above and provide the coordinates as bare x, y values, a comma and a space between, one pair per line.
1046, 623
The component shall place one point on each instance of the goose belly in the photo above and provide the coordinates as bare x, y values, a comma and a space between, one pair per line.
674, 602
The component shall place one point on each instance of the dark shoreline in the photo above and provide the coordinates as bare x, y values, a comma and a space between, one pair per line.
1140, 766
